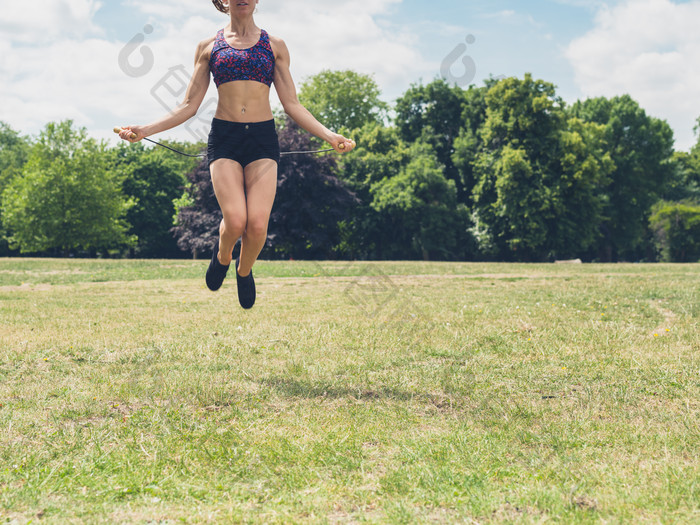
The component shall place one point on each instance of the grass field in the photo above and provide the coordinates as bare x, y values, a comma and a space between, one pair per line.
352, 392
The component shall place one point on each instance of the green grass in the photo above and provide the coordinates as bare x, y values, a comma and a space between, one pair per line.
394, 392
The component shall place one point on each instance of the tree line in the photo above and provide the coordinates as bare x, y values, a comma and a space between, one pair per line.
504, 171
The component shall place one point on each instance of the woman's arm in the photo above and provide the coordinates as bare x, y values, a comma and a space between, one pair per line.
284, 85
196, 90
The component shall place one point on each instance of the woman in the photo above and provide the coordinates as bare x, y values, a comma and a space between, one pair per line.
243, 150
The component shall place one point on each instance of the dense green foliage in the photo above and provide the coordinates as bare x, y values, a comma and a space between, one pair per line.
641, 148
433, 114
13, 156
676, 227
153, 179
537, 174
419, 211
66, 199
343, 99
503, 171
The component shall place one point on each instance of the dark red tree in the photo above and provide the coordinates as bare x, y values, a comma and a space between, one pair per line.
198, 225
310, 200
309, 204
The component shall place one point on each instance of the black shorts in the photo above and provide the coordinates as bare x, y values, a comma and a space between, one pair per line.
243, 142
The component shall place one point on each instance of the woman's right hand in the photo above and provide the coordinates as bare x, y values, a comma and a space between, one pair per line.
341, 144
128, 132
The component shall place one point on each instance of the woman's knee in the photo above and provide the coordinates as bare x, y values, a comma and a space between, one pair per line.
257, 226
235, 223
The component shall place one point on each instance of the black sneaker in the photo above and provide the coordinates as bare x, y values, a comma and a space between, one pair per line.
246, 289
216, 273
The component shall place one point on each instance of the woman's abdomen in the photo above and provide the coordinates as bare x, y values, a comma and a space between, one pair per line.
244, 101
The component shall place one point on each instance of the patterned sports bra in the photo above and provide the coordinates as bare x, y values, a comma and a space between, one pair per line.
228, 64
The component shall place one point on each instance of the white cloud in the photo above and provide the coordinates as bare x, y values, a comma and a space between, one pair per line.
649, 49
319, 34
36, 21
52, 63
324, 35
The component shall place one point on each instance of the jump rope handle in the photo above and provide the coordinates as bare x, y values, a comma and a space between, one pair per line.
118, 130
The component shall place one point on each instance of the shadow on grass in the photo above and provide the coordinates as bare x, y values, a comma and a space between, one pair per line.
300, 388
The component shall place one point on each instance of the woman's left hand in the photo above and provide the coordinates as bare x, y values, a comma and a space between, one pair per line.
342, 144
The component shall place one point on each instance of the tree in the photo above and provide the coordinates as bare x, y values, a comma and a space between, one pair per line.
343, 99
684, 182
381, 152
582, 166
421, 216
537, 174
676, 228
13, 156
511, 202
434, 114
197, 213
381, 155
153, 179
641, 148
310, 203
468, 142
66, 198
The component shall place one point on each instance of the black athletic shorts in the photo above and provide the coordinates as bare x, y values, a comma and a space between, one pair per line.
243, 142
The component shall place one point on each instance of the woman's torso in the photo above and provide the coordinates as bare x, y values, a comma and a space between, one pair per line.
233, 59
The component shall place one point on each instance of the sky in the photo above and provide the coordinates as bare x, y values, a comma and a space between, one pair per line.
103, 63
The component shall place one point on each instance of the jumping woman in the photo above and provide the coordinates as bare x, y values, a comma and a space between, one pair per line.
243, 150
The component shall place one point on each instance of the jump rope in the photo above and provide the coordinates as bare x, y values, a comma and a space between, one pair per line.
133, 136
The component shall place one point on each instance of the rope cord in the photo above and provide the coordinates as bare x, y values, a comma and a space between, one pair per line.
300, 152
200, 155
172, 149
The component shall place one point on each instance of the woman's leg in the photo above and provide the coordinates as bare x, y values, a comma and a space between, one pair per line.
260, 178
227, 179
